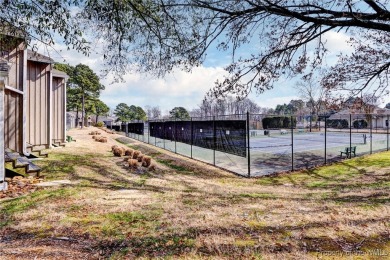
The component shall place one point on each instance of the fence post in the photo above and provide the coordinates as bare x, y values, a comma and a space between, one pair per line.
192, 136
376, 124
387, 132
163, 134
371, 134
292, 143
143, 133
350, 135
3, 183
325, 138
249, 148
214, 139
175, 134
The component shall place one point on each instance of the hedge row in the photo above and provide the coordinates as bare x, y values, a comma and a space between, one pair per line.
343, 123
278, 122
360, 123
337, 123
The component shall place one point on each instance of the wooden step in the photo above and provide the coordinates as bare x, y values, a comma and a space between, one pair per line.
41, 152
21, 162
11, 156
6, 158
57, 144
44, 153
37, 149
32, 168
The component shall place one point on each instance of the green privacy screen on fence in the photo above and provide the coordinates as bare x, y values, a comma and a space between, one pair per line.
228, 136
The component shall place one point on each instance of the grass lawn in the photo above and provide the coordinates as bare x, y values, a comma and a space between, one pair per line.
189, 210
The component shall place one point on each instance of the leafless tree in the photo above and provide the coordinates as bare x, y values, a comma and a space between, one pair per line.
227, 106
312, 93
153, 112
159, 35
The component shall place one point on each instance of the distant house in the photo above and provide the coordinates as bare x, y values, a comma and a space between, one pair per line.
379, 116
32, 100
89, 120
70, 120
108, 120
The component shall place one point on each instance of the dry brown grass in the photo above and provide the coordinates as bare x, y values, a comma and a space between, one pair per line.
188, 210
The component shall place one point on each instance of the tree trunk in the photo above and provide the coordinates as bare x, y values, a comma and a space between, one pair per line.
77, 117
82, 112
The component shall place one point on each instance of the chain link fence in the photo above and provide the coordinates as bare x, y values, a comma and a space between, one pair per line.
254, 145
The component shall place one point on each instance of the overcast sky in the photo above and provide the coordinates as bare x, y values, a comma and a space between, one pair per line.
180, 88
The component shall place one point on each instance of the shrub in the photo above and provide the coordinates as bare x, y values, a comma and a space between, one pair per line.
118, 151
337, 123
99, 124
146, 161
152, 167
103, 139
279, 122
135, 154
361, 123
140, 157
129, 152
133, 164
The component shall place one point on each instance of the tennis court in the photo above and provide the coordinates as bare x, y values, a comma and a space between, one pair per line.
237, 145
283, 152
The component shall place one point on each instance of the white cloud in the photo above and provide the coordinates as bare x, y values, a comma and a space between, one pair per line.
177, 89
337, 42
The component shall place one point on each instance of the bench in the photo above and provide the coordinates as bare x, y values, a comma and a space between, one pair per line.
348, 151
